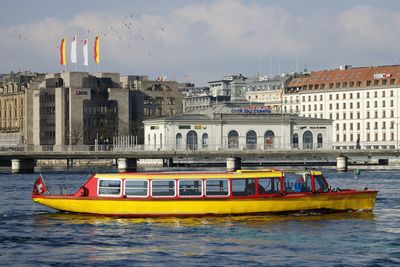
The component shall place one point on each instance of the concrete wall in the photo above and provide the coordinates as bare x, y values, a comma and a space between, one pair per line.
76, 98
121, 95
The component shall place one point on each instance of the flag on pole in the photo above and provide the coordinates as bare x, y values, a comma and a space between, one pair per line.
73, 50
97, 50
85, 52
62, 52
39, 187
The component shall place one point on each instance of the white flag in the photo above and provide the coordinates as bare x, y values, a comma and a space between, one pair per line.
85, 52
73, 50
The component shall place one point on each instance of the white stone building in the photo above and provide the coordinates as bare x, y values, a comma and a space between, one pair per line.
362, 102
238, 126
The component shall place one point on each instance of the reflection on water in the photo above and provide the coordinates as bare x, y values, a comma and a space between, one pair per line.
71, 218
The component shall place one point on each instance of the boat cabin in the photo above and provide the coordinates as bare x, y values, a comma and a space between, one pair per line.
245, 183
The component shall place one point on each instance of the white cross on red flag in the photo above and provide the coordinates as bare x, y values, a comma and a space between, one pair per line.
39, 187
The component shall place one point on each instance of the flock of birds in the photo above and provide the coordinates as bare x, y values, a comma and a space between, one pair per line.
127, 31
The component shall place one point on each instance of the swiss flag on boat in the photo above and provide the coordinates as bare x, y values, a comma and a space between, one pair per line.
39, 187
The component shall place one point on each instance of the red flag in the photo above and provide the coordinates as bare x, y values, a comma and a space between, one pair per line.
39, 187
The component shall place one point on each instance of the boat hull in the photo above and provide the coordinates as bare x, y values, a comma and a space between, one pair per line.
335, 201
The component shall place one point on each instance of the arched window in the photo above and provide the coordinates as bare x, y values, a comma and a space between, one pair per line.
319, 140
251, 140
191, 140
295, 141
178, 141
269, 138
233, 139
307, 140
204, 140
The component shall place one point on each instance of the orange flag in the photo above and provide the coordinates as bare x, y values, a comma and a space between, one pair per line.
97, 50
62, 52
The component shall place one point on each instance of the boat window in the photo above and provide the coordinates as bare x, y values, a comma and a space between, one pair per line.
190, 187
320, 185
137, 188
297, 182
270, 185
244, 187
162, 188
109, 187
217, 187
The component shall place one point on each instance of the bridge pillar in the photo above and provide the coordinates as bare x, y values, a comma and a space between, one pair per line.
168, 162
22, 165
233, 164
127, 164
341, 164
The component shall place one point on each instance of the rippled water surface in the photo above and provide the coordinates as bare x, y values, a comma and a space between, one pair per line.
32, 235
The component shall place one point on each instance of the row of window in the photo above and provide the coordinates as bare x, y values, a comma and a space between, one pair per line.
208, 187
344, 106
349, 84
375, 124
368, 138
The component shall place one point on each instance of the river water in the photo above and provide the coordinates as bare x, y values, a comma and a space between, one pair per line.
32, 235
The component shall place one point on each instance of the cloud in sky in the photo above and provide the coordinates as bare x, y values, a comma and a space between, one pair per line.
201, 41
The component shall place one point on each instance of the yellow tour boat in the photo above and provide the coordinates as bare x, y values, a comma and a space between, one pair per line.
205, 193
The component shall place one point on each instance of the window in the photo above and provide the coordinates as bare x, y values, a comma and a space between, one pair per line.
376, 82
109, 187
204, 140
178, 141
351, 84
191, 140
295, 140
217, 187
251, 140
319, 140
163, 188
297, 182
391, 81
320, 184
270, 185
190, 187
269, 138
368, 83
245, 187
136, 188
233, 139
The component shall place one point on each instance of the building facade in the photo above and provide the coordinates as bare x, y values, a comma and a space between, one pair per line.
238, 126
362, 102
267, 90
75, 108
12, 107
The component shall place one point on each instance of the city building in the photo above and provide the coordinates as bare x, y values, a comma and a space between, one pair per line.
229, 88
151, 99
237, 125
74, 108
363, 103
267, 90
12, 105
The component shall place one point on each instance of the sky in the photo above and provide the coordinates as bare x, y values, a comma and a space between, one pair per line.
201, 41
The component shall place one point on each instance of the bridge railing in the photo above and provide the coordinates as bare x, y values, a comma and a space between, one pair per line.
186, 147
